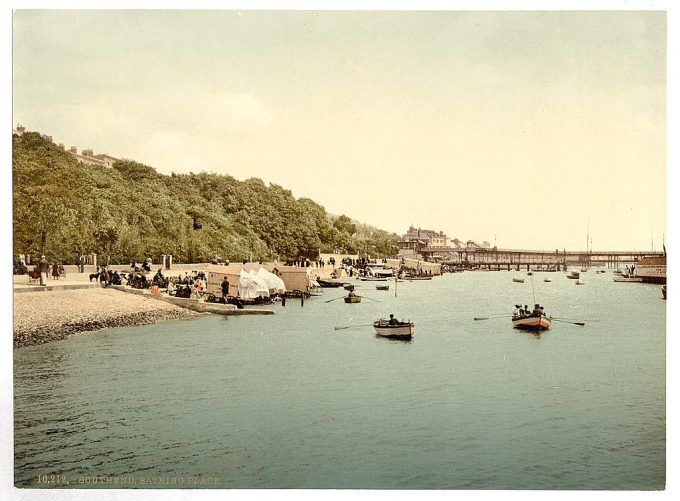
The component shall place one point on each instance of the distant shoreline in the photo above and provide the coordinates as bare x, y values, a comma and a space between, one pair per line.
42, 317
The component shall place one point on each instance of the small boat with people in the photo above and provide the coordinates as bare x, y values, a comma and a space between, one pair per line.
381, 271
393, 328
352, 298
535, 320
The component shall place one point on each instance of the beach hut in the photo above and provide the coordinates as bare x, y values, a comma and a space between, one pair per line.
215, 275
294, 278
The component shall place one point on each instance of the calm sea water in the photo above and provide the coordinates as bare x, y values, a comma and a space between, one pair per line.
287, 401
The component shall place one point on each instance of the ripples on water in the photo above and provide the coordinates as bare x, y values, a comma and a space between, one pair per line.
286, 401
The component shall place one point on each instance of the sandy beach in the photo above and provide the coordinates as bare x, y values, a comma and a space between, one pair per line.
44, 316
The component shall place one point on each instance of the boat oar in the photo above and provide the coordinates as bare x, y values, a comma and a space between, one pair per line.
370, 299
492, 316
341, 327
334, 299
569, 322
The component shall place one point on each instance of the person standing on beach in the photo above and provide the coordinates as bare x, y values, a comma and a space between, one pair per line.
44, 268
55, 271
225, 289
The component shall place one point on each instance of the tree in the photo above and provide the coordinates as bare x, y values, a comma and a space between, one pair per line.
343, 223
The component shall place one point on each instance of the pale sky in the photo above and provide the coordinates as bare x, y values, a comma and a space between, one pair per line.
514, 127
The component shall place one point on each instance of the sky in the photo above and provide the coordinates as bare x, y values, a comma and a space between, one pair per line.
526, 129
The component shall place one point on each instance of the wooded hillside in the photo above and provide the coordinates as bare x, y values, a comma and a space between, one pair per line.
62, 208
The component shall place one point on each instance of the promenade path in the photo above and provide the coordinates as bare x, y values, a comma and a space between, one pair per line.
76, 280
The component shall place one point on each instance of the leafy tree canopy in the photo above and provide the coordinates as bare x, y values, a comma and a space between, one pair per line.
62, 208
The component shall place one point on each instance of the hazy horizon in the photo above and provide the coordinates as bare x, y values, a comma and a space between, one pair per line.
518, 128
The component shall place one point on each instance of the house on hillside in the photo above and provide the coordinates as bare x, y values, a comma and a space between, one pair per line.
88, 157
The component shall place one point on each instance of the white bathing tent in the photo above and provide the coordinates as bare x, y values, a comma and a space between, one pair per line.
310, 279
251, 286
274, 283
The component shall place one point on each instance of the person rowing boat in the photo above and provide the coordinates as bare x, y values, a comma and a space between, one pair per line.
393, 328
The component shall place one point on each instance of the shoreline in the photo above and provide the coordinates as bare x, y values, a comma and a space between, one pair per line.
46, 316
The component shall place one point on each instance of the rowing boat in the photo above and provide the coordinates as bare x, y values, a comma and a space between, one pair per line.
532, 322
399, 330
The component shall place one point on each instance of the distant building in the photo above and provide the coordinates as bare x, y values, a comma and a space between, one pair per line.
419, 243
85, 157
431, 239
88, 157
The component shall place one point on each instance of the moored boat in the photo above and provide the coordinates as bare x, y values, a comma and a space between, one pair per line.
518, 280
382, 287
418, 278
663, 291
394, 329
373, 279
547, 280
580, 282
329, 283
574, 275
627, 279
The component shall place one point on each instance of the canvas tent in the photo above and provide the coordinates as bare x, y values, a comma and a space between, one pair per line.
251, 286
274, 283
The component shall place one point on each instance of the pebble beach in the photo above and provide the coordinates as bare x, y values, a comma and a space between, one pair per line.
44, 316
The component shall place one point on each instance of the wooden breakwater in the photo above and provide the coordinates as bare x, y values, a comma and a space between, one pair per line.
195, 304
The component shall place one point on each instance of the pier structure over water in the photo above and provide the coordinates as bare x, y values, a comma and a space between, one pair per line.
508, 259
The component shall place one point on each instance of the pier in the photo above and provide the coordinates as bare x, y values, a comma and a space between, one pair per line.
509, 259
